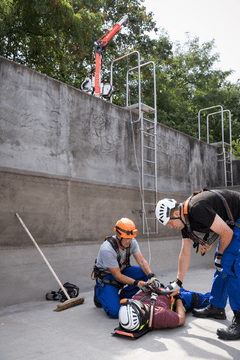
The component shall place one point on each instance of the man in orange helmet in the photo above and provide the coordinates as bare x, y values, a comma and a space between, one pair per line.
115, 277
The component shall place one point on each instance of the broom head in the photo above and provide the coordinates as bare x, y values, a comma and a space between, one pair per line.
70, 303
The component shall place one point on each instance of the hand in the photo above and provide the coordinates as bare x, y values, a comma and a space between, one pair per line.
154, 283
142, 285
173, 287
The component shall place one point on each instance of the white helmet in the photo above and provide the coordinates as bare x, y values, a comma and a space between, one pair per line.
133, 315
163, 210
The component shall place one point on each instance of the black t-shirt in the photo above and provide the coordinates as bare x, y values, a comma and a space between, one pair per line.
204, 206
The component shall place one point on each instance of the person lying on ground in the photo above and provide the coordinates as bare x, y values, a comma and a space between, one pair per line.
169, 312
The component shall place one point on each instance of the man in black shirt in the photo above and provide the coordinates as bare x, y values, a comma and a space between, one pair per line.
207, 212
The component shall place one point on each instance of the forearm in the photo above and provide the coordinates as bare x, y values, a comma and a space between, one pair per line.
224, 231
184, 259
224, 242
180, 311
145, 267
124, 279
142, 262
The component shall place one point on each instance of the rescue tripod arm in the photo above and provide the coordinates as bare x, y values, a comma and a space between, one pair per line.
99, 45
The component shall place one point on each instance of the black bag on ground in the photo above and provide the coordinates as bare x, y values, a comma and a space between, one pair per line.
59, 295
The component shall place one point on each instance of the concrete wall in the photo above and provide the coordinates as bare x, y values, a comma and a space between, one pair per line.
68, 168
236, 172
68, 163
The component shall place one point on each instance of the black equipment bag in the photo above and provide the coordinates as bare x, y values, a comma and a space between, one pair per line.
71, 289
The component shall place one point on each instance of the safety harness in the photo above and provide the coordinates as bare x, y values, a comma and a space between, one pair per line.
100, 275
205, 244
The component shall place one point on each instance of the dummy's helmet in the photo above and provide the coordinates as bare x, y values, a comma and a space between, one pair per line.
126, 228
163, 210
133, 315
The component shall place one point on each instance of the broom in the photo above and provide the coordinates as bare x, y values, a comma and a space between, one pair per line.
68, 303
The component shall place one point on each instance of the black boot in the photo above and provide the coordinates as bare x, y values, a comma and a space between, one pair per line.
233, 331
210, 312
95, 299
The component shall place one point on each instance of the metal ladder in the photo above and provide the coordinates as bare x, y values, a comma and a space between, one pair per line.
148, 148
222, 156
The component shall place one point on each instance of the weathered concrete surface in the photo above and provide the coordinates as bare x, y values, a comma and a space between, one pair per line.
34, 331
52, 128
59, 210
25, 276
67, 161
236, 172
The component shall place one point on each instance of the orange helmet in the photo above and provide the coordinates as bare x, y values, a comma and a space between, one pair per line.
126, 228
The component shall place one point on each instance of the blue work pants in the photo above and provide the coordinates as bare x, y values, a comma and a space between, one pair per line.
109, 294
226, 283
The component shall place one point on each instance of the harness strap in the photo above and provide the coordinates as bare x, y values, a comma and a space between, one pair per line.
151, 309
125, 263
99, 275
205, 244
201, 244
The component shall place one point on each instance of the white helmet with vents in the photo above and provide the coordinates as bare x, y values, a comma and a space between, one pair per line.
163, 210
133, 315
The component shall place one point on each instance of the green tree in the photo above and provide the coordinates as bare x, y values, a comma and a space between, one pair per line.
56, 37
48, 36
188, 81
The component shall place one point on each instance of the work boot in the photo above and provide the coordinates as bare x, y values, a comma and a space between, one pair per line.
95, 299
210, 312
233, 331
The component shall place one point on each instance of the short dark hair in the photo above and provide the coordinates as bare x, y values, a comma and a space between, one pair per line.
176, 208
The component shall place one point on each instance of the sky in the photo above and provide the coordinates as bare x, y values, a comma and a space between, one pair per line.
206, 19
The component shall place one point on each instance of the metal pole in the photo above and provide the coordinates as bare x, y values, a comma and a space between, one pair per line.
111, 71
211, 107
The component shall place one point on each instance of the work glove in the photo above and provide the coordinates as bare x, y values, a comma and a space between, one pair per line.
154, 283
142, 285
218, 259
172, 288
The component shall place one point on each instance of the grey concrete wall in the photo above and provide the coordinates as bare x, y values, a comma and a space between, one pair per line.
68, 163
236, 172
55, 129
67, 166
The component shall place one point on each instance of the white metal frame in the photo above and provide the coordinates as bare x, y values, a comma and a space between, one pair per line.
222, 144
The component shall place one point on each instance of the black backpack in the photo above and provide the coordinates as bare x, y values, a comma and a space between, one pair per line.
71, 289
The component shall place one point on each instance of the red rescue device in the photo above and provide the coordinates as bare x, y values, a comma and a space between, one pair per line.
99, 45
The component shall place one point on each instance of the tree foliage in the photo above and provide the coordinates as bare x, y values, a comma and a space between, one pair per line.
188, 82
48, 36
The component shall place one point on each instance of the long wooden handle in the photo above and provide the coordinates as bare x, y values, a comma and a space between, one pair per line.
43, 256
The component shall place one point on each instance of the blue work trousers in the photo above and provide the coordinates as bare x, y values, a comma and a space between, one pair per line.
187, 297
226, 283
108, 295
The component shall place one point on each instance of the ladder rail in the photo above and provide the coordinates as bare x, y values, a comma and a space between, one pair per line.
224, 144
149, 133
